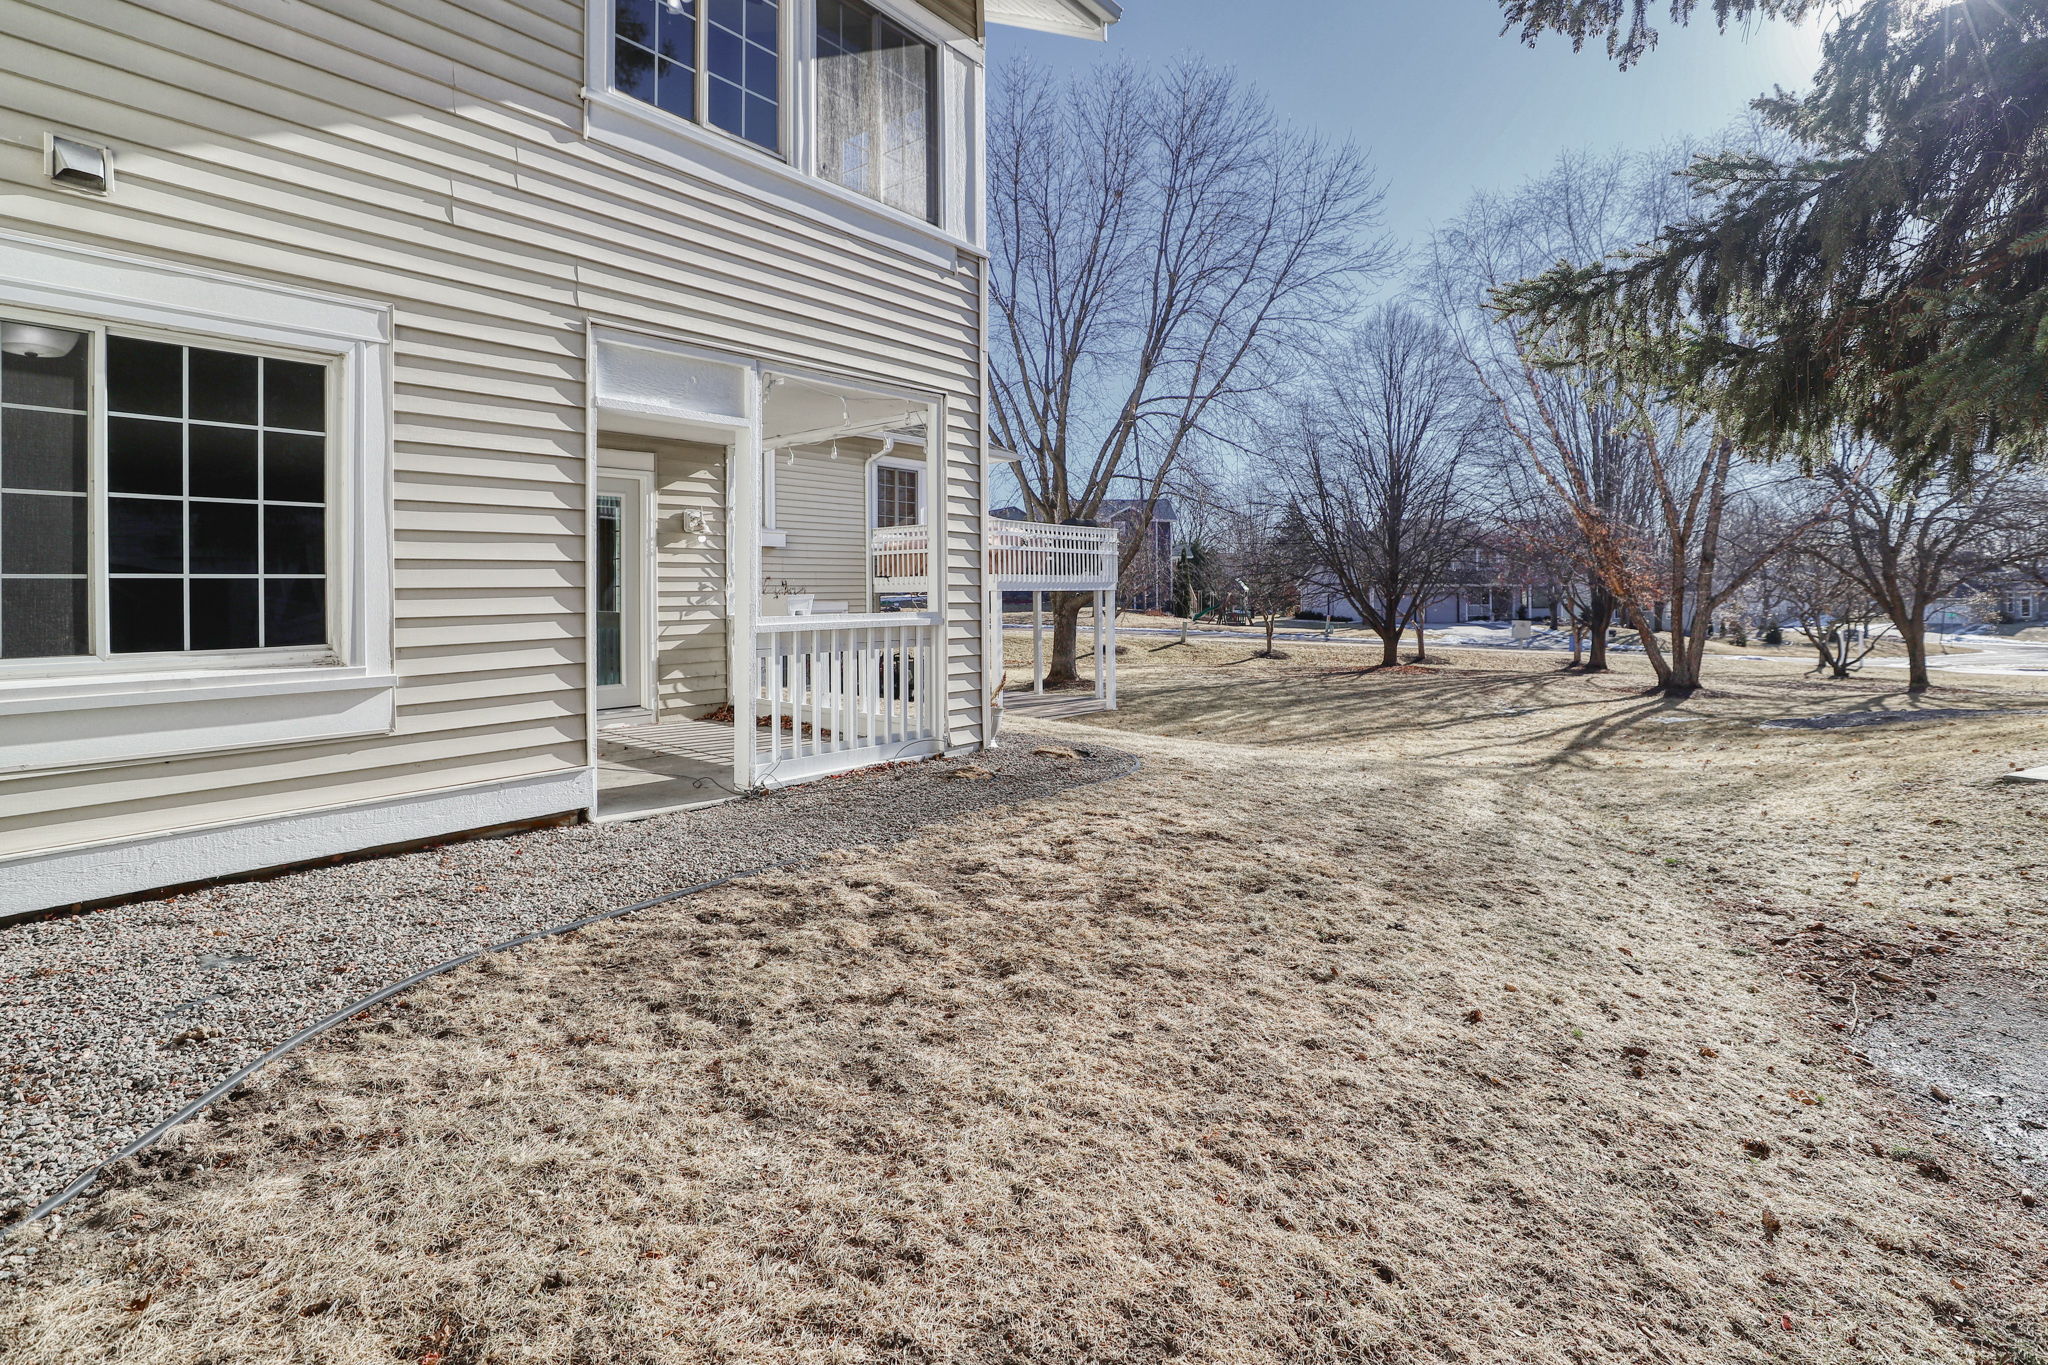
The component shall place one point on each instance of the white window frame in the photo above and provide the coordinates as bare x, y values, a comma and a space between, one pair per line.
790, 175
922, 468
111, 709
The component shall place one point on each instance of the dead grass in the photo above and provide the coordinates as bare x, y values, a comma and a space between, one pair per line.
1384, 1017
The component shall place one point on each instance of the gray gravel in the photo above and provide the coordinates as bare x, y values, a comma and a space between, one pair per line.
113, 1020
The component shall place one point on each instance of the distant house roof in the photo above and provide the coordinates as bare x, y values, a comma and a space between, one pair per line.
1163, 510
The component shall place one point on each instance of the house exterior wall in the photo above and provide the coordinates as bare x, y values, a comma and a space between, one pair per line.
430, 156
821, 505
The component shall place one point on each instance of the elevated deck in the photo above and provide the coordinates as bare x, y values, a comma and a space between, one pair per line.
1023, 556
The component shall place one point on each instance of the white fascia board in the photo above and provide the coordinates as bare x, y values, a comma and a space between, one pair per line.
70, 876
1073, 18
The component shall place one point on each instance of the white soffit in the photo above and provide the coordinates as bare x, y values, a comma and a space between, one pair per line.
1075, 18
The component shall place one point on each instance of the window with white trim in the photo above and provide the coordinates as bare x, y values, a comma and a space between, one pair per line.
870, 100
159, 495
877, 109
714, 62
897, 495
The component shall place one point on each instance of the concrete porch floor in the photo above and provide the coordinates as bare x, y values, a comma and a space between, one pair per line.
645, 770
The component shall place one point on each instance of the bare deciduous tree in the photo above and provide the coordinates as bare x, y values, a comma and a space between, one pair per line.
1374, 454
1911, 547
1669, 520
1163, 249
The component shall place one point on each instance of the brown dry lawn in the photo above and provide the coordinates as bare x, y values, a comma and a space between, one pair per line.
1407, 1016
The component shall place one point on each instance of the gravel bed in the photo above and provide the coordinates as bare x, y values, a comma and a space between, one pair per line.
113, 1020
1850, 720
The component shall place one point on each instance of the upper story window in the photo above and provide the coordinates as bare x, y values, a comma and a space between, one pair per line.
877, 115
863, 96
716, 62
158, 497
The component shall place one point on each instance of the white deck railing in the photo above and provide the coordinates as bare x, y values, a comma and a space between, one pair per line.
1031, 556
902, 552
1023, 556
836, 693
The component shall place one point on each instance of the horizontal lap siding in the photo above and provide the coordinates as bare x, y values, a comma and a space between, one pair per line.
428, 155
821, 504
690, 602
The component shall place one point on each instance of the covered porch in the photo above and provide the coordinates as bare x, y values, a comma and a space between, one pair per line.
771, 569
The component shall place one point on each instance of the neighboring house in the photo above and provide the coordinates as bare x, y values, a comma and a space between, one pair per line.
393, 397
1479, 590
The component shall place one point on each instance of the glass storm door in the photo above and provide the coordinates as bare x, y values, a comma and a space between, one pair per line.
620, 575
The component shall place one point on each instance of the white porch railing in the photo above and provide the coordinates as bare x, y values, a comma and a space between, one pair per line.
835, 693
1031, 556
1023, 556
901, 552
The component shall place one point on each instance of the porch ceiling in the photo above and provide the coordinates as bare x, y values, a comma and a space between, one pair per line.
800, 412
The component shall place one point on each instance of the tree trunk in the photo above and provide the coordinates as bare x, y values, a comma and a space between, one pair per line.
1271, 622
1421, 645
1062, 665
1390, 645
1599, 618
1914, 632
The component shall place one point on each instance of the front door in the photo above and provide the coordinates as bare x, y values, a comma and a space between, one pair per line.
625, 648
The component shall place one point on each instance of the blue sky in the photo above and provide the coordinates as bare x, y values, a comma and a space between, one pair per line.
1443, 103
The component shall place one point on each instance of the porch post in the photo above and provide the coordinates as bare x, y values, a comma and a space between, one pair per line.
1038, 643
1097, 613
743, 585
1109, 659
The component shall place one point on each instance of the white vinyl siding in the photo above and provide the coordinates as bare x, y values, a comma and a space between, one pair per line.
690, 601
428, 154
820, 504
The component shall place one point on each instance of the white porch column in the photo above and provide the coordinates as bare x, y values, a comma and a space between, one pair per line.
1099, 667
1038, 643
743, 590
1109, 658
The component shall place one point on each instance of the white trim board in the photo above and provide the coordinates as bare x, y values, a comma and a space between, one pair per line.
44, 881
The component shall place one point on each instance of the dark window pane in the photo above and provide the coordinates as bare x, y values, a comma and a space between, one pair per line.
42, 533
634, 20
53, 377
725, 54
221, 386
42, 449
145, 377
633, 72
679, 33
294, 540
762, 128
294, 611
224, 461
146, 615
145, 535
224, 537
728, 107
226, 613
761, 24
42, 618
762, 77
294, 395
678, 90
145, 456
294, 468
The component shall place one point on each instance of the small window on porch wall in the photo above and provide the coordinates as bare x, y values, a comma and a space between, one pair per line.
896, 500
708, 61
877, 131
